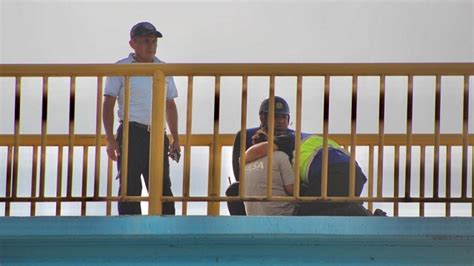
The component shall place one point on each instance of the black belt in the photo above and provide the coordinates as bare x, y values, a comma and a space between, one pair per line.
136, 124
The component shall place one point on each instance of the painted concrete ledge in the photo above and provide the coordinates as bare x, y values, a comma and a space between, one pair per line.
202, 240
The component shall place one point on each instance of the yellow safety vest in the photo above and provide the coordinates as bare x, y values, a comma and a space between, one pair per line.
310, 146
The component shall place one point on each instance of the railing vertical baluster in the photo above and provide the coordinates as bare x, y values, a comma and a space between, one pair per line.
16, 140
437, 133
157, 135
299, 100
353, 137
187, 146
70, 155
98, 136
44, 132
381, 137
109, 187
215, 171
125, 135
396, 180
243, 137
409, 137
34, 176
13, 179
422, 178
271, 135
9, 184
59, 180
465, 138
210, 167
85, 155
448, 181
371, 177
324, 168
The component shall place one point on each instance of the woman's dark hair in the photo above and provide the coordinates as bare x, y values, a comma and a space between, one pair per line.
286, 144
259, 136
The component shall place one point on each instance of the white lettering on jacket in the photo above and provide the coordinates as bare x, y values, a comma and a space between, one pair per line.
254, 166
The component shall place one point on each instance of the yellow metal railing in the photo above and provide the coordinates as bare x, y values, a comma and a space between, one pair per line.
376, 143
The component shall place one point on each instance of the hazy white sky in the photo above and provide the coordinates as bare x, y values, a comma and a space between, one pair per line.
240, 31
244, 32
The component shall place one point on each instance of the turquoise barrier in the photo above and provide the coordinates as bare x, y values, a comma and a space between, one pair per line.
202, 240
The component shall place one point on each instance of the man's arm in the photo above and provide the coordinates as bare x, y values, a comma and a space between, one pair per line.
172, 120
108, 119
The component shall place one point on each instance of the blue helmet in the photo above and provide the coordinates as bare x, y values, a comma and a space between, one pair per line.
281, 106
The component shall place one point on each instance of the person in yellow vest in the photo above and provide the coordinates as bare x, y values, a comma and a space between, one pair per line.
338, 179
311, 153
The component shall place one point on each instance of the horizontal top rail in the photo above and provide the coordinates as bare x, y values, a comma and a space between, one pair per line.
228, 139
224, 69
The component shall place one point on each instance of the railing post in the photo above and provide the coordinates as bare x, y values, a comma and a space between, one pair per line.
324, 168
187, 146
214, 182
352, 171
243, 137
271, 136
299, 107
70, 151
125, 140
157, 135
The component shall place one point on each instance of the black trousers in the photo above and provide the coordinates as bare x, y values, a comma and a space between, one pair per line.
338, 186
138, 159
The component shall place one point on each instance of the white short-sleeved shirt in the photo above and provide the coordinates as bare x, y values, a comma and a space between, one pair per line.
256, 185
140, 93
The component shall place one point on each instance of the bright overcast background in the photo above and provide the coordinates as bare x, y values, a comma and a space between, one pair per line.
239, 32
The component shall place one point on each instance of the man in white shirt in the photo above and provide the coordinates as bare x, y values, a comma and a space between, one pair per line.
143, 40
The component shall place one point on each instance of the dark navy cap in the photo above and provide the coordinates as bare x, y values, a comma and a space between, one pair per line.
281, 106
144, 28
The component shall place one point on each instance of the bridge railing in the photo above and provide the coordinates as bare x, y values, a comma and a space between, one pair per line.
411, 155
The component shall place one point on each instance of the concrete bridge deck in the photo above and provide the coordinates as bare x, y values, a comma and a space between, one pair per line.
205, 240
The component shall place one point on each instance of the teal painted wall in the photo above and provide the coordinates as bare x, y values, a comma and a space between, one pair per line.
200, 240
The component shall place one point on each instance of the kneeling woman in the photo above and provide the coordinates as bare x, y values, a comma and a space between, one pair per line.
283, 180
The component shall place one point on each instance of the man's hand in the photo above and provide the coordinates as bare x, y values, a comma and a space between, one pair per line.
113, 150
172, 119
175, 150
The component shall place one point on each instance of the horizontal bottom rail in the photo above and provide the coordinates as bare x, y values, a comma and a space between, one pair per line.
236, 198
